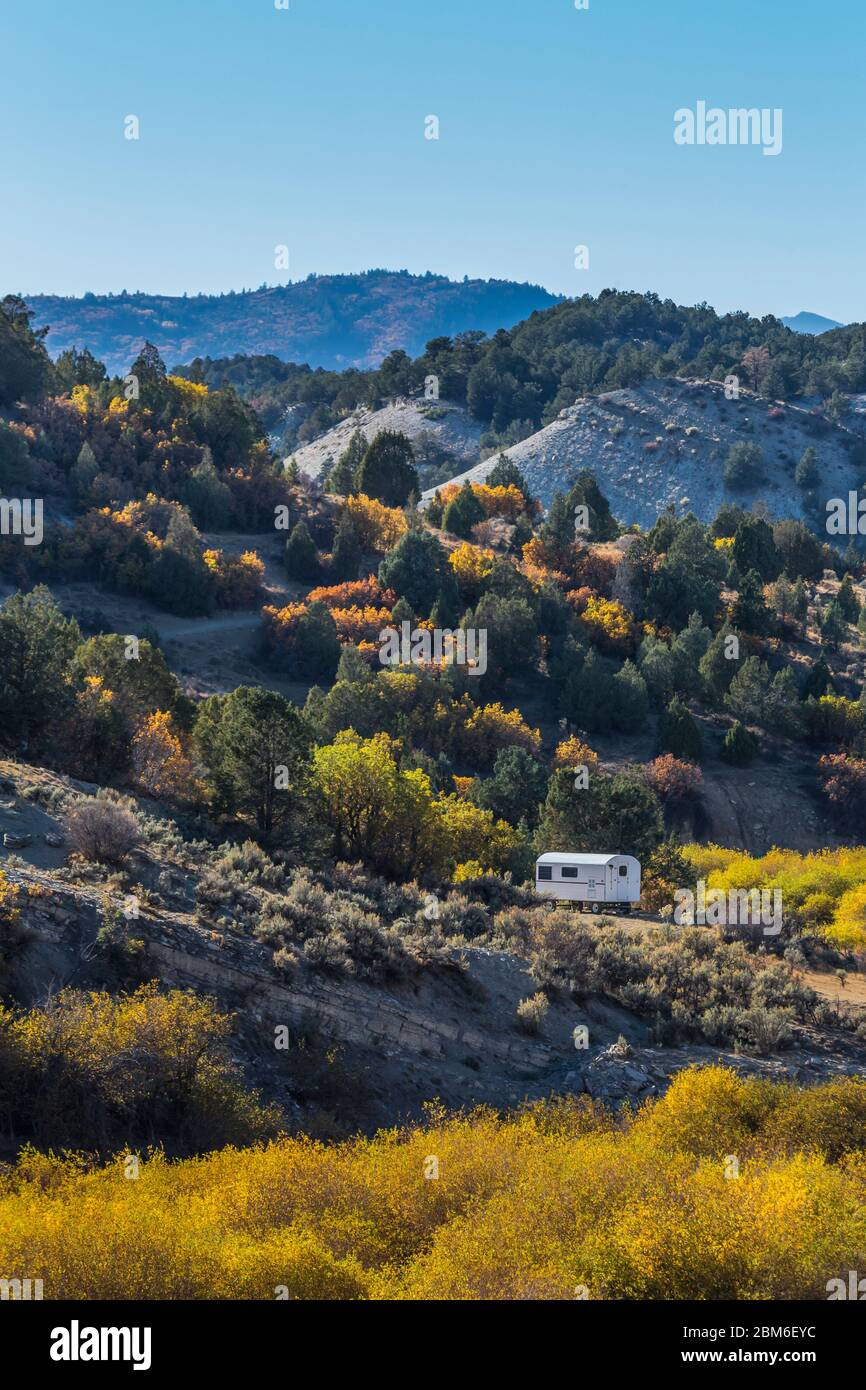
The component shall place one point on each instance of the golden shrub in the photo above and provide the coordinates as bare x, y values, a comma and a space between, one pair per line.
539, 1204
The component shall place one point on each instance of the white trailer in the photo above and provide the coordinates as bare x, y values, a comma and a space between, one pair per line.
593, 881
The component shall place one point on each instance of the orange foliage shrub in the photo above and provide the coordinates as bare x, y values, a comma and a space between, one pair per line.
471, 567
360, 624
609, 624
542, 567
492, 727
239, 579
377, 527
362, 593
161, 766
572, 752
507, 502
674, 780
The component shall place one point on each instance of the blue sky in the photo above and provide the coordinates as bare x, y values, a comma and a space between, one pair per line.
305, 127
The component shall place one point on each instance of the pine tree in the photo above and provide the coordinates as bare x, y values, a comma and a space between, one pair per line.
341, 478
347, 553
302, 557
806, 472
587, 493
740, 745
505, 473
755, 549
749, 612
678, 732
83, 471
800, 601
387, 470
717, 666
463, 512
847, 600
833, 625
402, 613
743, 465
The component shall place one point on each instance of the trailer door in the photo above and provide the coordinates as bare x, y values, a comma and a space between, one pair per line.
595, 891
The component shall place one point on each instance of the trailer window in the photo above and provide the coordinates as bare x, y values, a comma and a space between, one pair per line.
623, 870
545, 871
569, 871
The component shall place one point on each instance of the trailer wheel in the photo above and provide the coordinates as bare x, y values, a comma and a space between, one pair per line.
596, 908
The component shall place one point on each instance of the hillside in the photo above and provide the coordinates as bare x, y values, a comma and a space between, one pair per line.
261, 885
442, 1022
326, 320
664, 443
438, 427
518, 381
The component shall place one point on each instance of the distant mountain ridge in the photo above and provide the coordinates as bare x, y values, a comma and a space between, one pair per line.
334, 321
804, 322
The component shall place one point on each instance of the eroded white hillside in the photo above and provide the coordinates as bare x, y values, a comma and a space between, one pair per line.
665, 443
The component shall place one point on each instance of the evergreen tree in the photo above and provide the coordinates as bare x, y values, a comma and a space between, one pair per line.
347, 553
37, 645
678, 732
629, 699
718, 666
755, 549
417, 569
743, 465
402, 613
25, 367
557, 532
586, 492
846, 598
83, 472
806, 472
819, 681
244, 739
833, 625
208, 497
462, 513
740, 745
341, 478
749, 611
302, 557
800, 601
687, 651
749, 691
688, 578
505, 473
387, 470
781, 597
620, 811
802, 553
516, 789
658, 667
